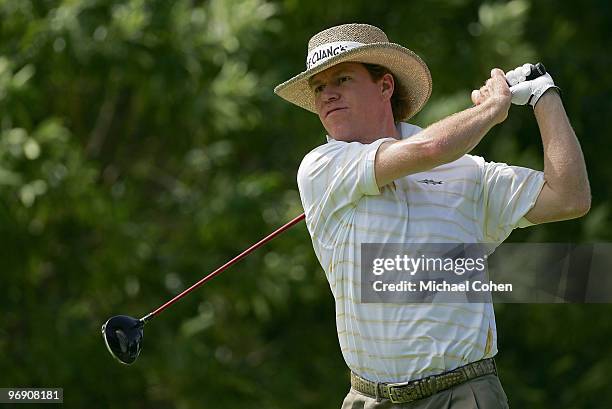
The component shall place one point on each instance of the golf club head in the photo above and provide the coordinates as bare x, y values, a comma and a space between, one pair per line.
123, 337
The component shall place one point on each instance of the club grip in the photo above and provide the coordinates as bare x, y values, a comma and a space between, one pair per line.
536, 71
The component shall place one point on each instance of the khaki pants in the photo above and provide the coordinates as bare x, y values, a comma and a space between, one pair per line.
484, 392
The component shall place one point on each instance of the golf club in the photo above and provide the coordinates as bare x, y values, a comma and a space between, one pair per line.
123, 334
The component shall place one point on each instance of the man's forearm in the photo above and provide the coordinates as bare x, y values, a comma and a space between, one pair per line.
458, 134
564, 167
448, 139
440, 143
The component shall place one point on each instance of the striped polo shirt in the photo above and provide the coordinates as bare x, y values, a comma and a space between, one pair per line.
478, 202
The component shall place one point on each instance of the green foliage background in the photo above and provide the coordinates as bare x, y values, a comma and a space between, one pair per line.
141, 146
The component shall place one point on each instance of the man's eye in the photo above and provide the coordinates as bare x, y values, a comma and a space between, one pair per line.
343, 79
318, 89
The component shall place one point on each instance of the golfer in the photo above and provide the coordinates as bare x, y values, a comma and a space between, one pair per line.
379, 179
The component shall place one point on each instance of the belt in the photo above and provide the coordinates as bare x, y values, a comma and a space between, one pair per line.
404, 392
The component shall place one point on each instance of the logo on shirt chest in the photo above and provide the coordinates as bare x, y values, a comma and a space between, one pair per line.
430, 182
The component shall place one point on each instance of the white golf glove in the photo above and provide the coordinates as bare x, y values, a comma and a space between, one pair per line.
528, 91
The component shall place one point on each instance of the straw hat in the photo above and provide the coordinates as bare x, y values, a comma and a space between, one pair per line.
359, 43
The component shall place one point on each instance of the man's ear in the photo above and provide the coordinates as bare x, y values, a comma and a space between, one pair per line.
387, 85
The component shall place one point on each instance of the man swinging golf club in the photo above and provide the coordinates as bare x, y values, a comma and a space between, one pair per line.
379, 179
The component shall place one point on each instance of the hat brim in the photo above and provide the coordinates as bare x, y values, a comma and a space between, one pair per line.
407, 67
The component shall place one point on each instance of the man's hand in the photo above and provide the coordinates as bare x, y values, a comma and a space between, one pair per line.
496, 93
528, 92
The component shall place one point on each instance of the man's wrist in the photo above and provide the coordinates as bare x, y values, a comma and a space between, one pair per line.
495, 110
551, 96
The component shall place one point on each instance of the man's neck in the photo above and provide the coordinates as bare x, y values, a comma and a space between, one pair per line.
391, 130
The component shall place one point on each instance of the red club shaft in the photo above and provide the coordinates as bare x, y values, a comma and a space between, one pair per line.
224, 266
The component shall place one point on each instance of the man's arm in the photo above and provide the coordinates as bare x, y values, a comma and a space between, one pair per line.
566, 193
448, 139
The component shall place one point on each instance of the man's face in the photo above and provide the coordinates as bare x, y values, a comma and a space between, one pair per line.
351, 106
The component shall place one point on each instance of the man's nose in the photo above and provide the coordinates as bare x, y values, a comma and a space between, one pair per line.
330, 93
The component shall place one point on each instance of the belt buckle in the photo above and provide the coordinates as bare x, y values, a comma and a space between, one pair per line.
393, 392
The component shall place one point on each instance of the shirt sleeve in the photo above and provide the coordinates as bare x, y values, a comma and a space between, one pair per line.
333, 177
508, 193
